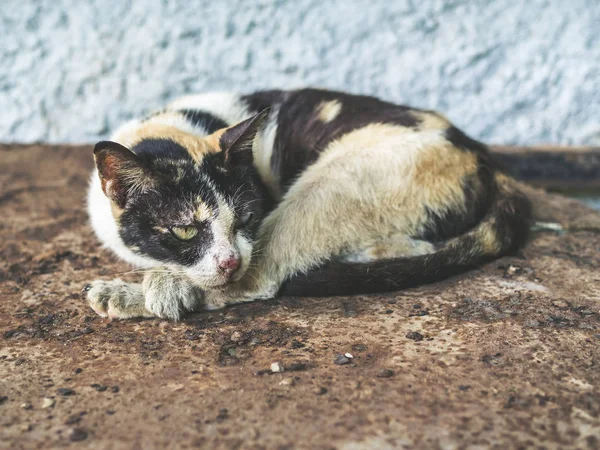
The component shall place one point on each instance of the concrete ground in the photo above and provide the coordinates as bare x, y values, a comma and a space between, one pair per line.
507, 356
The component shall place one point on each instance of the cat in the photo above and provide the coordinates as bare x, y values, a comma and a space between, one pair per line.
223, 198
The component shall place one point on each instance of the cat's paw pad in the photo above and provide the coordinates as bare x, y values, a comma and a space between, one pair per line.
116, 299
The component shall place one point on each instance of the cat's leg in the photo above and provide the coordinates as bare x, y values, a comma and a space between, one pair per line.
161, 294
169, 295
396, 246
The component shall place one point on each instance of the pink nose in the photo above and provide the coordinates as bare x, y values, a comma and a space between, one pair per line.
229, 265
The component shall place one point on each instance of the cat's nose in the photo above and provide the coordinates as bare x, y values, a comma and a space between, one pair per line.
229, 265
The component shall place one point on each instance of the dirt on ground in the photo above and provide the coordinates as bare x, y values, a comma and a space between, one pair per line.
506, 356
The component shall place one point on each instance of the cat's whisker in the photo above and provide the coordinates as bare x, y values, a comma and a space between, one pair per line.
144, 270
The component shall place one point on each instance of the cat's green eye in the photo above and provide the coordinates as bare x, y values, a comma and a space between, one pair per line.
184, 233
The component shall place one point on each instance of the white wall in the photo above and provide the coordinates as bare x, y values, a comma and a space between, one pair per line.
506, 71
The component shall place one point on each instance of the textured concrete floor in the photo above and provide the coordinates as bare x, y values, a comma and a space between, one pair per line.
504, 357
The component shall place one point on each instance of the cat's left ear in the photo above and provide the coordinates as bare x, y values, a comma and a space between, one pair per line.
236, 141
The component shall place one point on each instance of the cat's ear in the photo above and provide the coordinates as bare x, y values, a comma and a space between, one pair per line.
120, 171
236, 141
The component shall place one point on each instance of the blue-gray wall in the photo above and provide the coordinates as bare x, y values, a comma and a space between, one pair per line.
507, 71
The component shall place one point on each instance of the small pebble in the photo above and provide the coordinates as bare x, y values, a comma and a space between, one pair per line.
78, 370
26, 427
3, 399
26, 405
420, 313
236, 336
320, 390
48, 403
560, 304
115, 389
340, 360
297, 344
348, 355
73, 419
65, 391
287, 382
415, 336
385, 373
359, 347
277, 367
99, 387
78, 434
223, 415
513, 270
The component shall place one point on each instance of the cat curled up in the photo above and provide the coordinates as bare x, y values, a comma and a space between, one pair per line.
223, 198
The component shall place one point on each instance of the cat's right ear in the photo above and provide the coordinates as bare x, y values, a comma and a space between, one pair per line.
120, 171
237, 141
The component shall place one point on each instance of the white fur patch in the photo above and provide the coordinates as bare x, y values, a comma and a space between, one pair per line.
262, 150
329, 110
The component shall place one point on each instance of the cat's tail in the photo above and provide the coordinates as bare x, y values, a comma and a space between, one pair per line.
503, 230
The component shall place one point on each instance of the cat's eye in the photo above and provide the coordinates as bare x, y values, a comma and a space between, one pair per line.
184, 233
244, 219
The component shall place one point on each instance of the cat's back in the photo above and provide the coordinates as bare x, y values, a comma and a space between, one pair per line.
306, 122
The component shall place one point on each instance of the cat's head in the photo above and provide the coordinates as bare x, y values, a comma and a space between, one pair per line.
190, 203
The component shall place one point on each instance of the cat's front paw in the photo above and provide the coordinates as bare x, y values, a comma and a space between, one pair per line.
116, 299
170, 296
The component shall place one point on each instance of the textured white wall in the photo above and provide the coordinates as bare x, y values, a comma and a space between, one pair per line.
506, 71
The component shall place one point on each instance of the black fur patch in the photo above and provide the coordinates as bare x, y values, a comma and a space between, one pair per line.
261, 100
206, 120
302, 136
479, 191
460, 140
151, 151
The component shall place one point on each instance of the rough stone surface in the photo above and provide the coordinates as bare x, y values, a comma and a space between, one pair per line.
509, 356
507, 71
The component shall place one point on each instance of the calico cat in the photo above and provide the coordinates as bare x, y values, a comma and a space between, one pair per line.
224, 198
